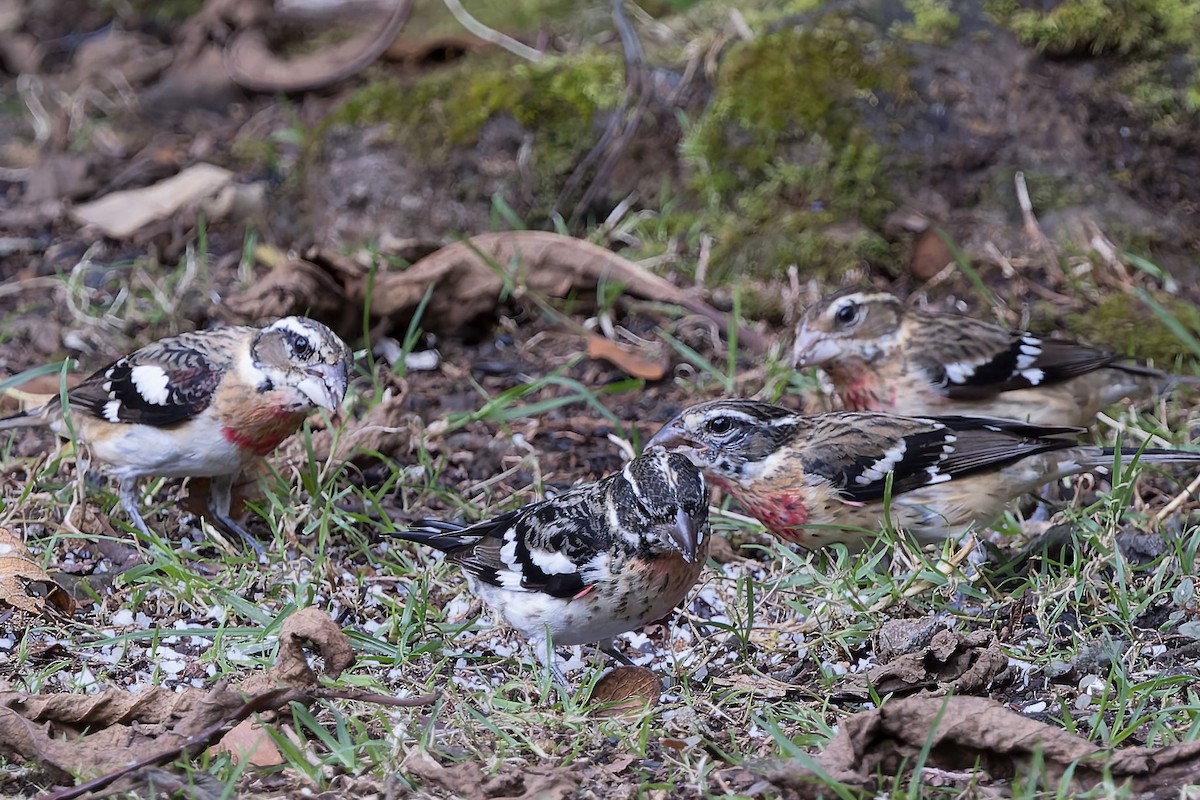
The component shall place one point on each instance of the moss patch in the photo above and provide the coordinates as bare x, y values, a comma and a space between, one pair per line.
1102, 26
556, 100
1122, 323
933, 22
781, 156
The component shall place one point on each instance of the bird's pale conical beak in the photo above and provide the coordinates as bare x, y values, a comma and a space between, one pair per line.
813, 349
686, 535
802, 347
670, 437
326, 384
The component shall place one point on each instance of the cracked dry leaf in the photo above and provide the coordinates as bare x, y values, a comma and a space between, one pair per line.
626, 690
471, 278
310, 625
24, 585
948, 661
70, 735
984, 740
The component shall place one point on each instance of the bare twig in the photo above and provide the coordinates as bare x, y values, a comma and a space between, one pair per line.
1033, 229
492, 35
621, 126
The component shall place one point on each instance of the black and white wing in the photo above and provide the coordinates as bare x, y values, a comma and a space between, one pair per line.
970, 360
163, 383
856, 452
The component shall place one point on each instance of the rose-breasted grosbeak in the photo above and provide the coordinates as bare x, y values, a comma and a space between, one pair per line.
593, 562
883, 356
201, 404
816, 480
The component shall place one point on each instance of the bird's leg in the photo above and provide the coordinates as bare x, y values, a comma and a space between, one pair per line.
610, 649
127, 493
220, 498
543, 648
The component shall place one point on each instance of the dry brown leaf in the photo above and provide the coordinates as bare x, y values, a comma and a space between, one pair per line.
98, 734
253, 66
626, 690
310, 625
122, 214
24, 585
978, 733
249, 741
469, 278
951, 661
635, 362
48, 729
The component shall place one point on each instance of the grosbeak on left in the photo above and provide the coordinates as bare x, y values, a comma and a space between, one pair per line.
595, 561
815, 480
200, 404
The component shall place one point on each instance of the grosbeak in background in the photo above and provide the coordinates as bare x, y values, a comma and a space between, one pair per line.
201, 404
593, 562
816, 480
883, 356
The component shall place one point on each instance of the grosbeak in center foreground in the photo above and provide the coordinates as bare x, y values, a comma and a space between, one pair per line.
598, 560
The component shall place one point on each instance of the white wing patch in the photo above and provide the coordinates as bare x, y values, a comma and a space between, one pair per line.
959, 371
1031, 348
509, 578
151, 383
508, 552
883, 466
112, 411
936, 475
551, 563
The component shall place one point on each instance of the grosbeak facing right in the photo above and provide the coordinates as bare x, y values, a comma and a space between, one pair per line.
884, 356
201, 404
593, 562
816, 480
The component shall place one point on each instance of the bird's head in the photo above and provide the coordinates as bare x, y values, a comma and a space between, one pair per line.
664, 498
849, 324
307, 357
729, 440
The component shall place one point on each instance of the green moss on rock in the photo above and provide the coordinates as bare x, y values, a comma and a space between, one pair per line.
781, 157
1122, 323
933, 22
554, 98
1098, 26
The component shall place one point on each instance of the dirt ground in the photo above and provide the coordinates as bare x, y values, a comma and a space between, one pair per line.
101, 98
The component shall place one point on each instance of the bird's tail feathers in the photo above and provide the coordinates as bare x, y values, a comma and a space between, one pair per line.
1099, 457
1164, 382
436, 533
32, 418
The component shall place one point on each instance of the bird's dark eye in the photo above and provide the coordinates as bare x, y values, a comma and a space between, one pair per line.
719, 425
302, 348
847, 313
